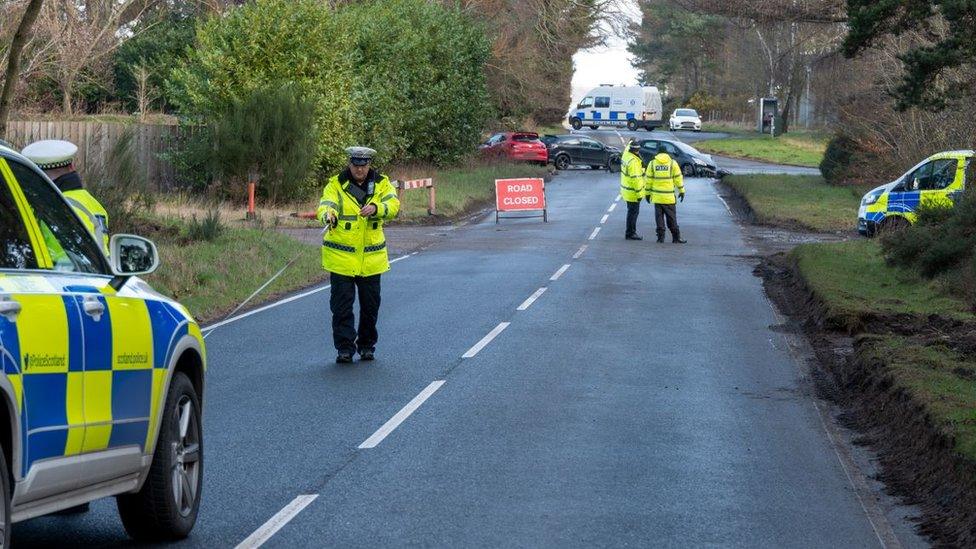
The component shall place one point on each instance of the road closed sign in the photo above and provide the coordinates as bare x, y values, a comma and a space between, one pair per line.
520, 195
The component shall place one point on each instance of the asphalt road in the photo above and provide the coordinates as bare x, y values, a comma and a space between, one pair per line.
645, 398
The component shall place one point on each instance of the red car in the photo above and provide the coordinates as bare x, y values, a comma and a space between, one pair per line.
524, 146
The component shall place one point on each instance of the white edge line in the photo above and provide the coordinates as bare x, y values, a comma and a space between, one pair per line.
612, 207
726, 204
531, 299
402, 415
206, 331
276, 522
595, 232
579, 252
604, 219
485, 340
559, 273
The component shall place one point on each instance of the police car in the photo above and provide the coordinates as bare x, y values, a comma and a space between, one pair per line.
102, 376
938, 179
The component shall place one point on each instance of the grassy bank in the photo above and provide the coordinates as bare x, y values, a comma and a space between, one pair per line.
921, 334
211, 277
798, 201
799, 149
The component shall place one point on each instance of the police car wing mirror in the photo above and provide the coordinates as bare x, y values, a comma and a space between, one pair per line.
132, 255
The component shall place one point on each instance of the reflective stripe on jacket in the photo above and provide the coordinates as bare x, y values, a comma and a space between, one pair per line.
356, 245
92, 214
631, 177
663, 176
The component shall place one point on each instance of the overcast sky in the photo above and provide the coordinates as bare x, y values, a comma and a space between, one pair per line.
605, 65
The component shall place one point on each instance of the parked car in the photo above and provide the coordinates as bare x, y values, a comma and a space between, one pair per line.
693, 163
685, 119
578, 150
520, 146
102, 377
939, 179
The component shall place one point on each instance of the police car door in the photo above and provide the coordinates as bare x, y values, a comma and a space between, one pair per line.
940, 182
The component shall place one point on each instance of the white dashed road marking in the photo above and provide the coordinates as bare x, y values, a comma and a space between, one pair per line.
595, 232
402, 415
559, 273
485, 340
612, 207
579, 252
276, 522
604, 219
531, 299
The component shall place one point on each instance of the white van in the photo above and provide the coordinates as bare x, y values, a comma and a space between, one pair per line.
631, 106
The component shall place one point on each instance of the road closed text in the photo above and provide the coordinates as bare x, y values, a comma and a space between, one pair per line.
519, 194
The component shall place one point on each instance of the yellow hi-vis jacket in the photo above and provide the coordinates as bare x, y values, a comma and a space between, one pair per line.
631, 177
356, 246
92, 214
663, 175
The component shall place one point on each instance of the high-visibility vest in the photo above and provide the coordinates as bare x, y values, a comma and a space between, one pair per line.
356, 246
92, 214
631, 177
663, 176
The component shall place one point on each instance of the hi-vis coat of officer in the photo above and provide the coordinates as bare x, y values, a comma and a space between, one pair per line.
56, 158
632, 187
355, 204
663, 177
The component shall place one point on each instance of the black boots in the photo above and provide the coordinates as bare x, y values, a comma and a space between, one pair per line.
634, 236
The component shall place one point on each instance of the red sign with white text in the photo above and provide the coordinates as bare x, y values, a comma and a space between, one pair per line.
519, 194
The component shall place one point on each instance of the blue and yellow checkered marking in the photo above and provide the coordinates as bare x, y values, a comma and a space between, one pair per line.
84, 385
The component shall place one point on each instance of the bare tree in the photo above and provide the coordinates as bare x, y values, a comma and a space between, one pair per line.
145, 93
13, 60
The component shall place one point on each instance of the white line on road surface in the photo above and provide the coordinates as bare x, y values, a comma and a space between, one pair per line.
604, 219
726, 204
400, 416
612, 207
276, 522
595, 232
209, 329
579, 252
559, 273
485, 340
617, 199
531, 299
619, 137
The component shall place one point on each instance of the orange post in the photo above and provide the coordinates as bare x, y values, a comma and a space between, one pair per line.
250, 201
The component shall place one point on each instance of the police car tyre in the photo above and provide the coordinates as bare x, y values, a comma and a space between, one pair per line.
562, 161
166, 507
576, 123
631, 125
892, 224
5, 515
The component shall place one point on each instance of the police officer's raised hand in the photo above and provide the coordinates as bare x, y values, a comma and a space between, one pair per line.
681, 197
368, 210
330, 219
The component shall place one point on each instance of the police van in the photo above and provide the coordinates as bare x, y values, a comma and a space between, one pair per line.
937, 180
633, 107
102, 378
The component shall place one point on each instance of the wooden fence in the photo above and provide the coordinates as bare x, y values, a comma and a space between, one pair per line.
96, 141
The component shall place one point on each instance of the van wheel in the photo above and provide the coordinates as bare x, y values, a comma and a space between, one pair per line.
892, 224
166, 507
592, 127
632, 125
576, 123
562, 162
5, 514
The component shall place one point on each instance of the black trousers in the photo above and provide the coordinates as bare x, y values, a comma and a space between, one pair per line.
633, 208
344, 288
669, 213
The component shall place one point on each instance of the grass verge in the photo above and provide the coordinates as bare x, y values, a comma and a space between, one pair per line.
211, 277
799, 149
798, 201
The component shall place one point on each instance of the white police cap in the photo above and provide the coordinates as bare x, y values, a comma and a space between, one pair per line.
360, 156
51, 153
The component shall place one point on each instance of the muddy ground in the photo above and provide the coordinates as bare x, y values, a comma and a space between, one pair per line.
915, 459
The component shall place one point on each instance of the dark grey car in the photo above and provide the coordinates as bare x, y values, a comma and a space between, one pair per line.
693, 163
579, 150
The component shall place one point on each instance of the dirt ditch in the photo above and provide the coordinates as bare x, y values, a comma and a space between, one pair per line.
916, 459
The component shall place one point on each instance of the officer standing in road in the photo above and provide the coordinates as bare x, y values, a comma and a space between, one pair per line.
663, 176
355, 204
632, 187
56, 158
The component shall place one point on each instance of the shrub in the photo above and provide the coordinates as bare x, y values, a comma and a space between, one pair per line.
837, 159
207, 230
117, 186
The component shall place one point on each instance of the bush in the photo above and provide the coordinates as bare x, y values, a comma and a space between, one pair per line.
116, 185
207, 230
837, 159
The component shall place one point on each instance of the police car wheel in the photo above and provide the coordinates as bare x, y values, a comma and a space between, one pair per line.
892, 224
5, 515
166, 507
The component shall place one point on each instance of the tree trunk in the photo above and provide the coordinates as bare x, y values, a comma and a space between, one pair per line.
13, 61
66, 87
